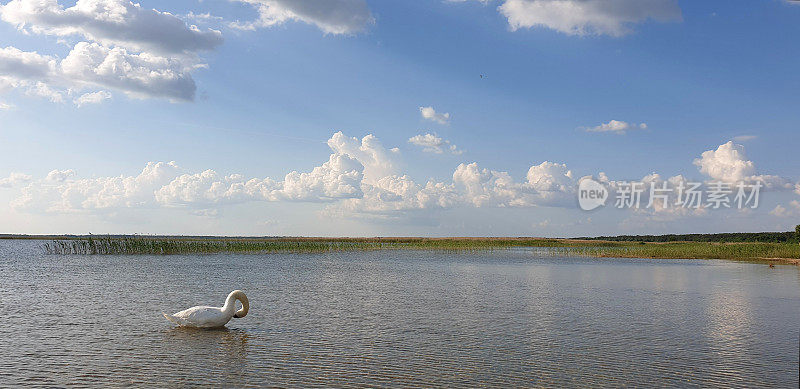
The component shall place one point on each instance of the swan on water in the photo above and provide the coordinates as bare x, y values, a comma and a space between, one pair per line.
209, 317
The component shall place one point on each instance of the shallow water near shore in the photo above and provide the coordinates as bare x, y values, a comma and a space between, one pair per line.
413, 318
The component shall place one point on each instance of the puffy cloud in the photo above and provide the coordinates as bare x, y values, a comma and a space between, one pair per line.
547, 184
23, 70
781, 211
471, 186
433, 144
797, 188
728, 163
744, 138
339, 177
142, 74
203, 17
430, 114
59, 175
330, 16
208, 188
145, 53
92, 98
27, 71
551, 181
14, 179
361, 177
41, 89
93, 65
165, 184
385, 191
618, 127
59, 193
395, 194
585, 17
18, 64
483, 187
141, 52
112, 23
378, 162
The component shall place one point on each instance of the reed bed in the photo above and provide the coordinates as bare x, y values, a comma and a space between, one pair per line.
137, 245
133, 245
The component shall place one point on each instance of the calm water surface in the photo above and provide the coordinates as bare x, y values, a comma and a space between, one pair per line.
398, 318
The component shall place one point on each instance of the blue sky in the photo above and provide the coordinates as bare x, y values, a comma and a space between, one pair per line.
254, 90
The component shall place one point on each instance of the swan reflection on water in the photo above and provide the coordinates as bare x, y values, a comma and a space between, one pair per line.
227, 347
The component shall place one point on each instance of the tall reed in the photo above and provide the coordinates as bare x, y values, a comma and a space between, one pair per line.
132, 245
139, 245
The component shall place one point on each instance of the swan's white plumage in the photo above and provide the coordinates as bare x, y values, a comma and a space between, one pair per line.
208, 317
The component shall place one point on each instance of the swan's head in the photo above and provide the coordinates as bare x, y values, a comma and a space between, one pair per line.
239, 295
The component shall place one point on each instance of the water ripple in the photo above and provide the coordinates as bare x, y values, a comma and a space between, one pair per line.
398, 318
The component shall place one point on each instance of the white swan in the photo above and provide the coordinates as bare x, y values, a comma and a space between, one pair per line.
209, 317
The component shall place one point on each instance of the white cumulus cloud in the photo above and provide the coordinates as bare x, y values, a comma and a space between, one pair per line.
92, 98
728, 163
546, 184
91, 65
378, 162
360, 178
13, 179
58, 192
111, 23
18, 64
430, 114
330, 16
117, 44
136, 74
587, 17
793, 210
617, 127
41, 89
59, 175
352, 165
432, 143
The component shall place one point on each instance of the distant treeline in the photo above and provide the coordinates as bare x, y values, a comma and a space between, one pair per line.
764, 237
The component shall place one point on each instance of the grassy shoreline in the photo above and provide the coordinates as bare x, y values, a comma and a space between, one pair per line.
143, 245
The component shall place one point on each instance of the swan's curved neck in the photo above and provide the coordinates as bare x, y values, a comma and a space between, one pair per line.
230, 304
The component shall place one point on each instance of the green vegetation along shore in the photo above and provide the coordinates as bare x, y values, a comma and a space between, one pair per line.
186, 245
133, 245
763, 237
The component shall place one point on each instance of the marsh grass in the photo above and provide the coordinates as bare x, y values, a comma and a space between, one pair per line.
137, 245
132, 245
140, 245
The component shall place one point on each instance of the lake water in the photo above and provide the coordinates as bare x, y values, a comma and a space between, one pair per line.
398, 318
